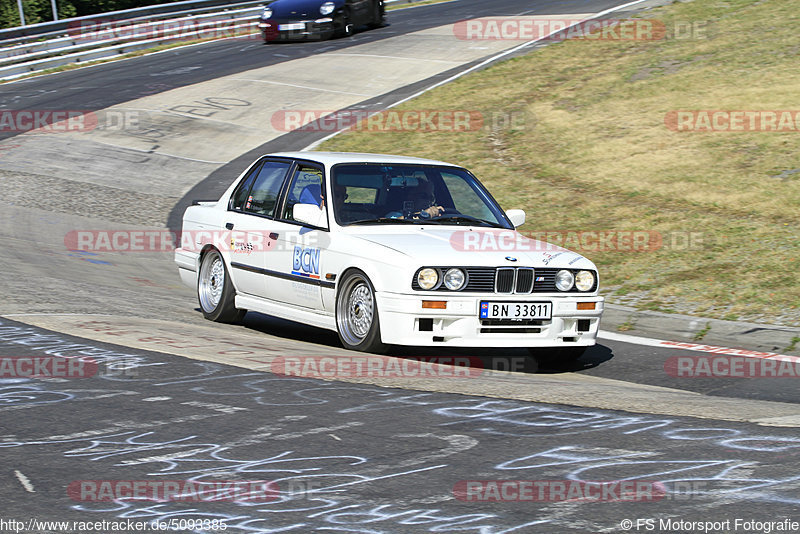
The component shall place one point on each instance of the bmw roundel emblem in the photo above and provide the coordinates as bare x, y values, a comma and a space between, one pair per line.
509, 258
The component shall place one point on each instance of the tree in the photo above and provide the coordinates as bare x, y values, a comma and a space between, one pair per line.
35, 11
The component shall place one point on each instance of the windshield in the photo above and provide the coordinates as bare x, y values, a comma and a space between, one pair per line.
412, 194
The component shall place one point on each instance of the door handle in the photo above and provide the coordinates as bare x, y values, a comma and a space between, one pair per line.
273, 235
229, 226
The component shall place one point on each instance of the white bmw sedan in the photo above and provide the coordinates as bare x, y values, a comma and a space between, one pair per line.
385, 250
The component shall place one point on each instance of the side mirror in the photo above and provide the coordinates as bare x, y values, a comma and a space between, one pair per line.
310, 214
517, 217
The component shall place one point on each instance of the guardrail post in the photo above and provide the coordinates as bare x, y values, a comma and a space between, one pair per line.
55, 9
21, 13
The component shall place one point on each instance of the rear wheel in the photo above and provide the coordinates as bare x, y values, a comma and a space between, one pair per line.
357, 314
215, 291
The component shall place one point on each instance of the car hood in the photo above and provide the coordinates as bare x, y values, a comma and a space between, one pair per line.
298, 9
473, 247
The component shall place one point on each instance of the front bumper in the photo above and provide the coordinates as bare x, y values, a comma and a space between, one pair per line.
322, 28
404, 322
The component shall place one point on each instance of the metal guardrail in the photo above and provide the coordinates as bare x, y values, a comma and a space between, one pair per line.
74, 25
64, 24
105, 49
110, 35
131, 29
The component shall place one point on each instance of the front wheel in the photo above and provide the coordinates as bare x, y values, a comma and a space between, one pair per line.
357, 314
344, 26
378, 14
215, 291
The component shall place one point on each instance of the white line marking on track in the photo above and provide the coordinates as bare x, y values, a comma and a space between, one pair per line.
26, 483
391, 57
303, 87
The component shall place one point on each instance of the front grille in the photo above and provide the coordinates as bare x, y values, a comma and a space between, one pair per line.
502, 280
479, 279
511, 331
524, 280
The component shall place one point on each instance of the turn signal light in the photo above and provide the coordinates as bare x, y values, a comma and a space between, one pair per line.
434, 304
586, 305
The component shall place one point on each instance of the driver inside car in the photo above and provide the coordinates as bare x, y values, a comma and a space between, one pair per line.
425, 201
420, 203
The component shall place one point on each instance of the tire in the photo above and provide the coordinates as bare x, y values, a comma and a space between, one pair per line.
215, 292
378, 14
345, 26
357, 314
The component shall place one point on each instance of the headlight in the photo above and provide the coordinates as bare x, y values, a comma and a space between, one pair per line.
428, 278
564, 280
327, 8
454, 279
267, 13
584, 280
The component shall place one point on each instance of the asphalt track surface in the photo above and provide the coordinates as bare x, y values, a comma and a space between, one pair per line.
359, 458
347, 457
103, 86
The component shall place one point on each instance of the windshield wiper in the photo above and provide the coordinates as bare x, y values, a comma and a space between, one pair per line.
468, 218
391, 220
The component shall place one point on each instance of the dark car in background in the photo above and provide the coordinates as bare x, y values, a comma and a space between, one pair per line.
284, 20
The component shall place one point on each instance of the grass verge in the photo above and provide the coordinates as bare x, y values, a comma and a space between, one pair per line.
589, 150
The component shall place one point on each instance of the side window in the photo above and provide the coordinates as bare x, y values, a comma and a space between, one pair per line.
305, 188
266, 187
240, 194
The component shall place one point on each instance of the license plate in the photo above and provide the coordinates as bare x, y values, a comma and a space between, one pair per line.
291, 27
516, 310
